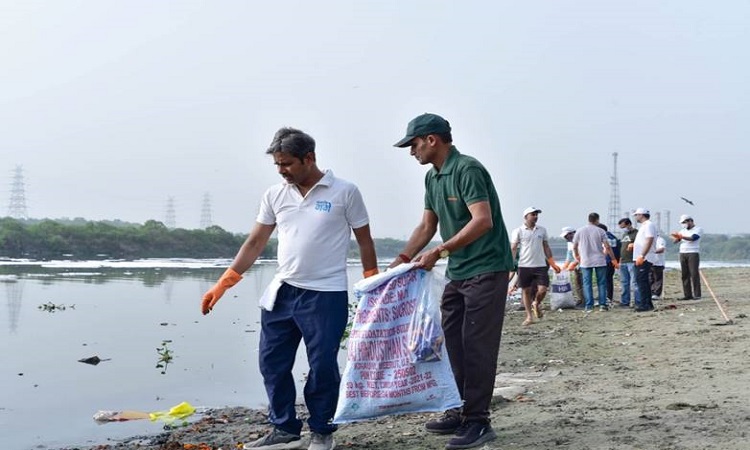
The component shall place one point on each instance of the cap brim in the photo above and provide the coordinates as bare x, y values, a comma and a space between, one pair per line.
405, 142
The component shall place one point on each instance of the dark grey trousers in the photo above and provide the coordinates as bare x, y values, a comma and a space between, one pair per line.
473, 312
691, 276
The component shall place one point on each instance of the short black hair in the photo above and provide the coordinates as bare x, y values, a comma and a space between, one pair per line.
446, 137
602, 226
593, 217
625, 221
292, 141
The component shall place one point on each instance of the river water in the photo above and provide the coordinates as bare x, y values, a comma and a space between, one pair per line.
123, 312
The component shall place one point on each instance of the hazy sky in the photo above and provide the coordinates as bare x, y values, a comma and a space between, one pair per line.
112, 107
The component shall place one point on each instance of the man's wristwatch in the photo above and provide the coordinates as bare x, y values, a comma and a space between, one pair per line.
443, 252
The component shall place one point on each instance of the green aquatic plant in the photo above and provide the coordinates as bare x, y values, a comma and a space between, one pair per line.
165, 356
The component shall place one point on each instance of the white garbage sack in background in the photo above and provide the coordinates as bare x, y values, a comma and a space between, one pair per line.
396, 360
561, 291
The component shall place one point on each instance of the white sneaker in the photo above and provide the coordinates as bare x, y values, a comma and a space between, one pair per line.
321, 442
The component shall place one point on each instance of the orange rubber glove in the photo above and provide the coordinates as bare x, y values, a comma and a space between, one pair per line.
553, 264
676, 236
371, 272
616, 264
639, 260
228, 279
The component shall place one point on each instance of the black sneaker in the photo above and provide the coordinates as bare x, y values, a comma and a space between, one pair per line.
474, 434
275, 440
447, 424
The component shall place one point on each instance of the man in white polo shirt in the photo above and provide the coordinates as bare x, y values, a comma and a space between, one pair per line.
314, 213
529, 242
644, 258
690, 257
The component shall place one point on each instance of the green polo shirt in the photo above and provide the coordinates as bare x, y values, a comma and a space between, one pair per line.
461, 182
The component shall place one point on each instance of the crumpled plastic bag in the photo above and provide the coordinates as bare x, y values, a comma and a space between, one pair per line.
425, 330
177, 412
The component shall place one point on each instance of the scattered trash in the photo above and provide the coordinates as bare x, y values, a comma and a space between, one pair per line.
177, 412
93, 360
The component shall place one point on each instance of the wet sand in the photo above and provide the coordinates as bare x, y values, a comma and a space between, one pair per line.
676, 378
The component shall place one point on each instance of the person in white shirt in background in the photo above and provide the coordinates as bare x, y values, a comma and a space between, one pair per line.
571, 264
657, 271
529, 241
643, 253
690, 258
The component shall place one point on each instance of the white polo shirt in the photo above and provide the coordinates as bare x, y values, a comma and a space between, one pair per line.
314, 231
646, 230
661, 258
530, 245
690, 246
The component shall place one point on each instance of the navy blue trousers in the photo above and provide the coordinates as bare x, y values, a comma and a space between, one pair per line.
643, 298
320, 319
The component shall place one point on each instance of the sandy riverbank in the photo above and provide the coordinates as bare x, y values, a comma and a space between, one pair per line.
673, 379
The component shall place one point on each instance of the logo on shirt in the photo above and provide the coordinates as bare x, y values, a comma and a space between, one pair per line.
322, 205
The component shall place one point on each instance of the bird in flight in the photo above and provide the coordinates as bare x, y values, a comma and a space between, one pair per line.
686, 200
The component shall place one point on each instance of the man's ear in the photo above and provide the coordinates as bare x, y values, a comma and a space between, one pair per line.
431, 140
310, 157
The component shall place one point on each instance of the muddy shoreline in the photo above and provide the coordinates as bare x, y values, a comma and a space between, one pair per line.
671, 379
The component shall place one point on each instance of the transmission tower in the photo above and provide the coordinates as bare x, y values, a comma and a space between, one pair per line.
667, 221
614, 197
17, 206
657, 219
170, 219
206, 211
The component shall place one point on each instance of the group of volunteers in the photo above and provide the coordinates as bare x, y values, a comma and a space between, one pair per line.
314, 214
595, 253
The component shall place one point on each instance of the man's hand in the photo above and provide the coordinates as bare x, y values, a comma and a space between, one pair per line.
640, 260
371, 272
427, 259
212, 296
572, 266
553, 264
616, 264
630, 247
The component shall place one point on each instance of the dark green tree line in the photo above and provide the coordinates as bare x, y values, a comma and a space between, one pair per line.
81, 239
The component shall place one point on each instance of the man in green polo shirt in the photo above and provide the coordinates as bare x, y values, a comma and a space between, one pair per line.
461, 197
